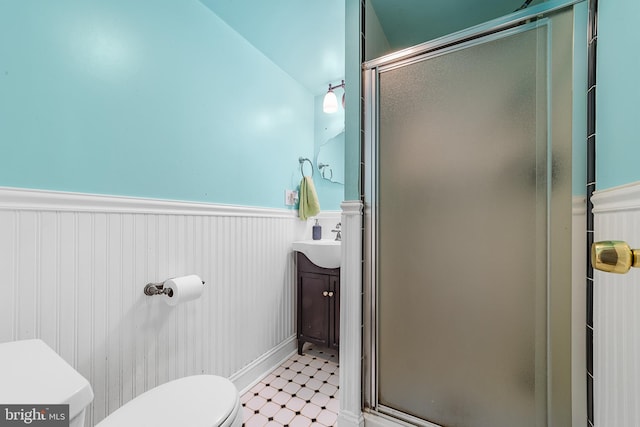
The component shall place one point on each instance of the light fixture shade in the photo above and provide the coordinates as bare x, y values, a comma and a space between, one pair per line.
330, 103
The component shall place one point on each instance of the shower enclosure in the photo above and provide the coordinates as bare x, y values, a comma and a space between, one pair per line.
468, 226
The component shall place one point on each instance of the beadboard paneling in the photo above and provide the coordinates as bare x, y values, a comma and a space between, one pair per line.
74, 268
616, 323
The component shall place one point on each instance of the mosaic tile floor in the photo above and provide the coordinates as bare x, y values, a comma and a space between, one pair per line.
302, 392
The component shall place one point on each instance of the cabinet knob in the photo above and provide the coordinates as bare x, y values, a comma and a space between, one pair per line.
325, 293
330, 294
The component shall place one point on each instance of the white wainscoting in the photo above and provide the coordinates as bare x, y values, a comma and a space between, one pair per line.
74, 267
616, 319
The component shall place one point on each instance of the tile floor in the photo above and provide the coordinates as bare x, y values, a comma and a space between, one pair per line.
302, 392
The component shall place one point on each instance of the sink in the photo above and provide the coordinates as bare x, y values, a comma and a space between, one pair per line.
323, 253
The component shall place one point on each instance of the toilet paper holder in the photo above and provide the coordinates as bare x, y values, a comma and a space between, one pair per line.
159, 289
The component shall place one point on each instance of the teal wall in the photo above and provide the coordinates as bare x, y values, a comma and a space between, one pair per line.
156, 99
618, 94
353, 75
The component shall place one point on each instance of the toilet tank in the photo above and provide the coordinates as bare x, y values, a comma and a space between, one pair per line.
32, 373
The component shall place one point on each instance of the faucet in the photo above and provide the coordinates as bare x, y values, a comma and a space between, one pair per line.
338, 231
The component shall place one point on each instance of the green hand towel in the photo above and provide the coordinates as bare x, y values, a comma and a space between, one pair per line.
309, 204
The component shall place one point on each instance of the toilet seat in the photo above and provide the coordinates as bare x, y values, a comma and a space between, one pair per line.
195, 401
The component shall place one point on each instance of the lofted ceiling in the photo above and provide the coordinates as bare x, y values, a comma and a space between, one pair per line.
303, 37
306, 38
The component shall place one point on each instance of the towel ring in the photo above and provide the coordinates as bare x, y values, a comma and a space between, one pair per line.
302, 160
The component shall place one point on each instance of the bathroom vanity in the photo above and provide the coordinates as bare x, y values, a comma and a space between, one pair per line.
318, 304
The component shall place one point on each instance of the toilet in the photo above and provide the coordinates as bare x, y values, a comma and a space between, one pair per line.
32, 373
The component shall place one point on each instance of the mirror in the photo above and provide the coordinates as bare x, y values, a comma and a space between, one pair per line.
330, 160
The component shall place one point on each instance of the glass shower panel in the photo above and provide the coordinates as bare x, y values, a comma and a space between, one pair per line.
461, 231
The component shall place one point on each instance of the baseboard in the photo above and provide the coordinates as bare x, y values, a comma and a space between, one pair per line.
254, 372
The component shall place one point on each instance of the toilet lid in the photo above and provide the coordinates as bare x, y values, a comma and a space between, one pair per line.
196, 401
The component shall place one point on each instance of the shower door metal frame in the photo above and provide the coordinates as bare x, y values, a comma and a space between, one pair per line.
527, 19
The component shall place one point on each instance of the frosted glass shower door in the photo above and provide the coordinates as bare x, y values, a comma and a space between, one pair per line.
462, 215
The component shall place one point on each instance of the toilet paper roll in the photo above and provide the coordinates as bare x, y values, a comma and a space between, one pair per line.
182, 289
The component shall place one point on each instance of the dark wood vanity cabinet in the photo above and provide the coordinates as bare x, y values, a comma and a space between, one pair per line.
318, 304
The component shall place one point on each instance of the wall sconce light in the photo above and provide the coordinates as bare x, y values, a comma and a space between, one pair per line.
330, 103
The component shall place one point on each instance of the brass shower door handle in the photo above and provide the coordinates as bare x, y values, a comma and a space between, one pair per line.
614, 256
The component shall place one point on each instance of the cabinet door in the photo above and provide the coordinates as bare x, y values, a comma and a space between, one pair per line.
334, 313
313, 310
